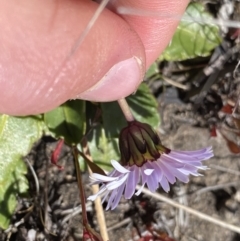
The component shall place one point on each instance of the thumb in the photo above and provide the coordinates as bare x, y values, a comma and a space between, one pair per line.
37, 36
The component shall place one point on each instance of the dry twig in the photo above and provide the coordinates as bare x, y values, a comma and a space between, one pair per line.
191, 211
175, 84
97, 202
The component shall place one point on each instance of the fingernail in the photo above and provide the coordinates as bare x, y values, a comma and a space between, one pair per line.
120, 81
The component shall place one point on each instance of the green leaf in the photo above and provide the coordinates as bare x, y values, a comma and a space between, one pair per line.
152, 70
144, 108
67, 121
103, 149
193, 39
113, 119
17, 136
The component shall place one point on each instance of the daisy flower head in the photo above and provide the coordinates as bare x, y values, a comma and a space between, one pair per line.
145, 161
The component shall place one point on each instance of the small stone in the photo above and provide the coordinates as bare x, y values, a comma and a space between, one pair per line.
31, 236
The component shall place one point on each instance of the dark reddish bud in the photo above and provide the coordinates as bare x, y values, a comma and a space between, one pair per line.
139, 143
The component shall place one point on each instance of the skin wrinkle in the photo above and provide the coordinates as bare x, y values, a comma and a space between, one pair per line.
28, 80
42, 86
36, 66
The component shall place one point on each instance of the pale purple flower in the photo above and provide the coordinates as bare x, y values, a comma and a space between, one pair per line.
166, 169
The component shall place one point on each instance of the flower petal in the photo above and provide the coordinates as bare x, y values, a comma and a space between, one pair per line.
164, 183
132, 181
195, 153
105, 196
102, 178
140, 190
110, 200
178, 174
93, 197
117, 197
152, 180
166, 169
119, 167
118, 183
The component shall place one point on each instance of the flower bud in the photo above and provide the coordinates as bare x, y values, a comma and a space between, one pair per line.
139, 143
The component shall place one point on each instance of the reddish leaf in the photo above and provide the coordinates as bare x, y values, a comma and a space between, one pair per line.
164, 237
227, 109
233, 147
213, 131
146, 238
235, 33
87, 236
90, 234
56, 153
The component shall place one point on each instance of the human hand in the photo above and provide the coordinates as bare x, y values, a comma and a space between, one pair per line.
37, 36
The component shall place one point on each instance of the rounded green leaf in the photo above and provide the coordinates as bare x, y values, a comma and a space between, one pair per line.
17, 136
193, 38
67, 121
144, 106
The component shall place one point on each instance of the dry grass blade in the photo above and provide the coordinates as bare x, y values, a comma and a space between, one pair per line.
81, 38
224, 169
176, 84
46, 218
140, 12
98, 204
34, 176
217, 187
191, 211
94, 18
